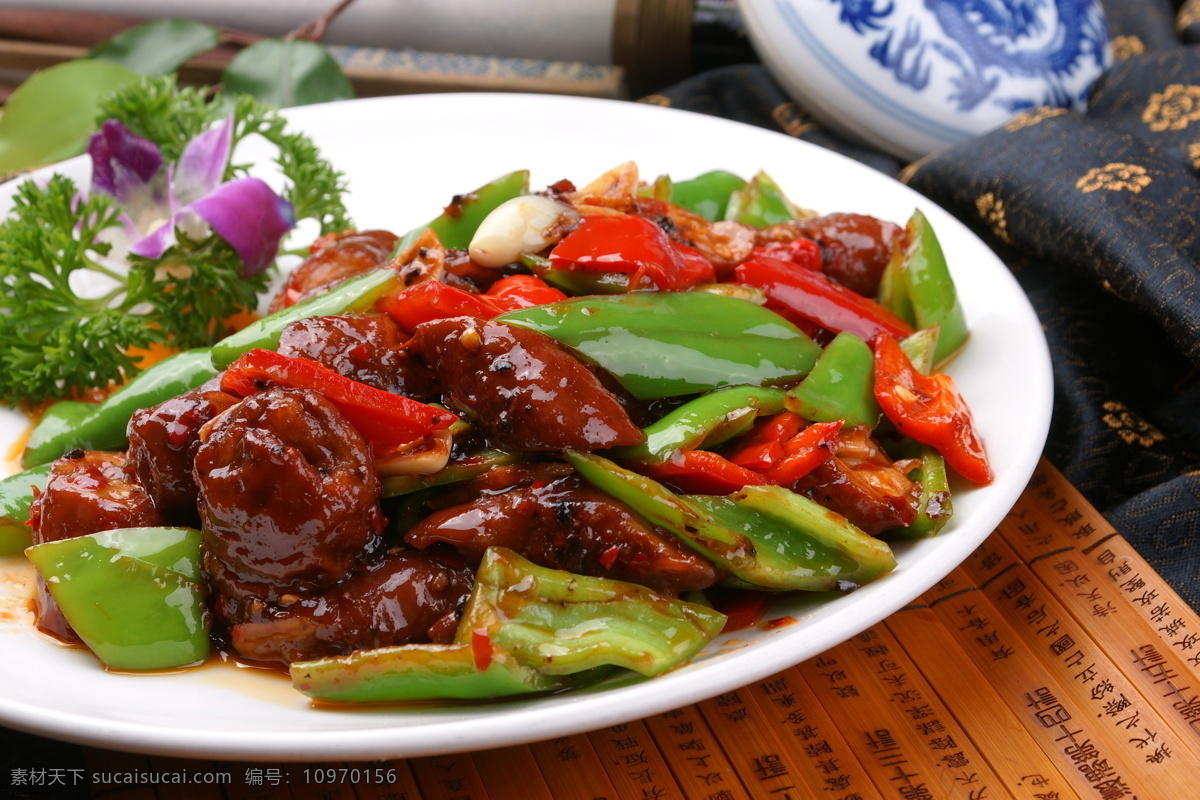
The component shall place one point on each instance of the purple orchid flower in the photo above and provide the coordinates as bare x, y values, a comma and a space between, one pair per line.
188, 195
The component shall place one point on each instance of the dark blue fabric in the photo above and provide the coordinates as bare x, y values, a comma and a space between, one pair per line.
1098, 216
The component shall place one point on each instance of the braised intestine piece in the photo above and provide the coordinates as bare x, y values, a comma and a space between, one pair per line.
289, 498
863, 484
333, 258
522, 387
291, 525
87, 492
368, 348
566, 524
162, 448
855, 248
403, 597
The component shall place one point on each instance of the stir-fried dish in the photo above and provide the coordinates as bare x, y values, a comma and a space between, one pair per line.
515, 448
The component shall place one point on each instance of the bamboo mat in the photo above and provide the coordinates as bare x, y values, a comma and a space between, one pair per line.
1053, 665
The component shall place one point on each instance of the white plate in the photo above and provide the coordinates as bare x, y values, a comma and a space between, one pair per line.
405, 158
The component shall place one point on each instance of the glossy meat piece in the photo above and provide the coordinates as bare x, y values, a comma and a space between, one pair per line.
566, 524
368, 348
403, 598
334, 258
289, 498
862, 484
162, 448
88, 492
522, 387
856, 248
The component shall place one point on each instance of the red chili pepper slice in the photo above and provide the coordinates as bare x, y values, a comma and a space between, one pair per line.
481, 648
742, 608
810, 295
609, 557
802, 252
702, 472
430, 300
928, 408
386, 420
805, 452
763, 446
522, 291
635, 246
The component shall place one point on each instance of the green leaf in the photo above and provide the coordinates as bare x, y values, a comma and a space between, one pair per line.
50, 116
287, 73
157, 47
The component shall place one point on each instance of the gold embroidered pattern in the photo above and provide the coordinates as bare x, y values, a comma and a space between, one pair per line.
1189, 14
1127, 46
908, 172
792, 119
1173, 108
1194, 154
991, 210
1129, 426
1032, 117
656, 100
1115, 177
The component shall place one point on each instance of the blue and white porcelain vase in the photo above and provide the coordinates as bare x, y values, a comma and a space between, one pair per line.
913, 76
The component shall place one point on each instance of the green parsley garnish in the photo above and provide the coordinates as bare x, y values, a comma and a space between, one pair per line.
59, 338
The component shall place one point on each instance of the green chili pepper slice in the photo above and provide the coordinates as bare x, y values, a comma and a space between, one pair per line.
707, 420
135, 596
840, 386
761, 203
577, 282
893, 293
560, 623
102, 426
525, 629
457, 224
664, 344
934, 507
16, 495
931, 289
356, 294
421, 672
766, 536
708, 194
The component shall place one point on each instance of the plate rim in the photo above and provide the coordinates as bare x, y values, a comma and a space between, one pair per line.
372, 742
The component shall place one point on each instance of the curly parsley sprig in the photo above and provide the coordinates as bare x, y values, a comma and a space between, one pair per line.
58, 337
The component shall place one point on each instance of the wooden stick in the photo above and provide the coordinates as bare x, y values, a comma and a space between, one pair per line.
1151, 672
259, 781
693, 755
898, 728
571, 768
511, 773
633, 763
320, 781
967, 693
1056, 517
404, 787
786, 701
1062, 687
446, 777
769, 766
